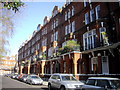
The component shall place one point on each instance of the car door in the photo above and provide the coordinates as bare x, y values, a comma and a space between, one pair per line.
53, 81
28, 79
57, 82
103, 83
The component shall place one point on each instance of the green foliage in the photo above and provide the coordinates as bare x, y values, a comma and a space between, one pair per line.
70, 46
13, 5
7, 26
44, 56
72, 43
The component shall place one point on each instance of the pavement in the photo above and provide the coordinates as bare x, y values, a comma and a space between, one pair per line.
13, 84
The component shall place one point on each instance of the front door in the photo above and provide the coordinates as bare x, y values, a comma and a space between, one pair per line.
105, 65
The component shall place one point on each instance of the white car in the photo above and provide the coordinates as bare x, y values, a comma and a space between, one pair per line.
64, 82
104, 82
34, 79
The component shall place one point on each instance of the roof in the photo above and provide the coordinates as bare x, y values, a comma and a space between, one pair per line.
62, 74
108, 78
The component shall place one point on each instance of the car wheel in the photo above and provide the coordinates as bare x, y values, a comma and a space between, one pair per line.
49, 87
30, 82
62, 88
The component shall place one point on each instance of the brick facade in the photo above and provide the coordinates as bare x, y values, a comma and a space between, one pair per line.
96, 27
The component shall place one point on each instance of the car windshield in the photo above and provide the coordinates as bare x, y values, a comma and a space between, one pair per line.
25, 76
115, 83
68, 78
35, 77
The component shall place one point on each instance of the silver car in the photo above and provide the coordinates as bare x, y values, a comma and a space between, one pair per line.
34, 79
64, 82
104, 82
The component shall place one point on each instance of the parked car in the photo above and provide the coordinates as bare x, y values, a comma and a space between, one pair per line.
104, 82
17, 76
20, 76
34, 79
13, 76
24, 77
7, 75
64, 82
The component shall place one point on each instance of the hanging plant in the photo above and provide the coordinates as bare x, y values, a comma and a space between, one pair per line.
70, 46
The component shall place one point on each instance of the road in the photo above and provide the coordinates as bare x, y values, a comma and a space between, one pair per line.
12, 84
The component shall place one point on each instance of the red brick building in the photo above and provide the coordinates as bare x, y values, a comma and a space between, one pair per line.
95, 26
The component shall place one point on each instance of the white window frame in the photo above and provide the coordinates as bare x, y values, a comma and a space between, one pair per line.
89, 37
73, 26
66, 29
65, 15
91, 15
86, 1
52, 38
69, 28
73, 10
86, 18
54, 24
97, 9
56, 35
57, 22
69, 13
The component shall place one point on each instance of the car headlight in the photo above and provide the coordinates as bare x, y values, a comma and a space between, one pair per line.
33, 81
70, 86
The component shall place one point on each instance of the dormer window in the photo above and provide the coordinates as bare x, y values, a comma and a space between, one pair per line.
55, 11
46, 20
39, 27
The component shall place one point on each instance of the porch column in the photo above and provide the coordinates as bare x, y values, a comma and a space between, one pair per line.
51, 67
28, 67
75, 67
43, 64
76, 57
21, 68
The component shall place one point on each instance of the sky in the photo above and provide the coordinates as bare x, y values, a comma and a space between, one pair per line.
27, 20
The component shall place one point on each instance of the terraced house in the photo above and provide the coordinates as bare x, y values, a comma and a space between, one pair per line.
82, 38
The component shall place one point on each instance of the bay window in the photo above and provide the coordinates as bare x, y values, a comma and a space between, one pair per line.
89, 39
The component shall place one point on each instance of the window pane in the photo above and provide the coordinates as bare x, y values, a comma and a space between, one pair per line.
92, 15
90, 82
97, 12
87, 18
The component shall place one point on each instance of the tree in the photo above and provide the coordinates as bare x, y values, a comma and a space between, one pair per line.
14, 5
6, 23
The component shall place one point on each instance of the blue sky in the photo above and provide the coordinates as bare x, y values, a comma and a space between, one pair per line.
27, 20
